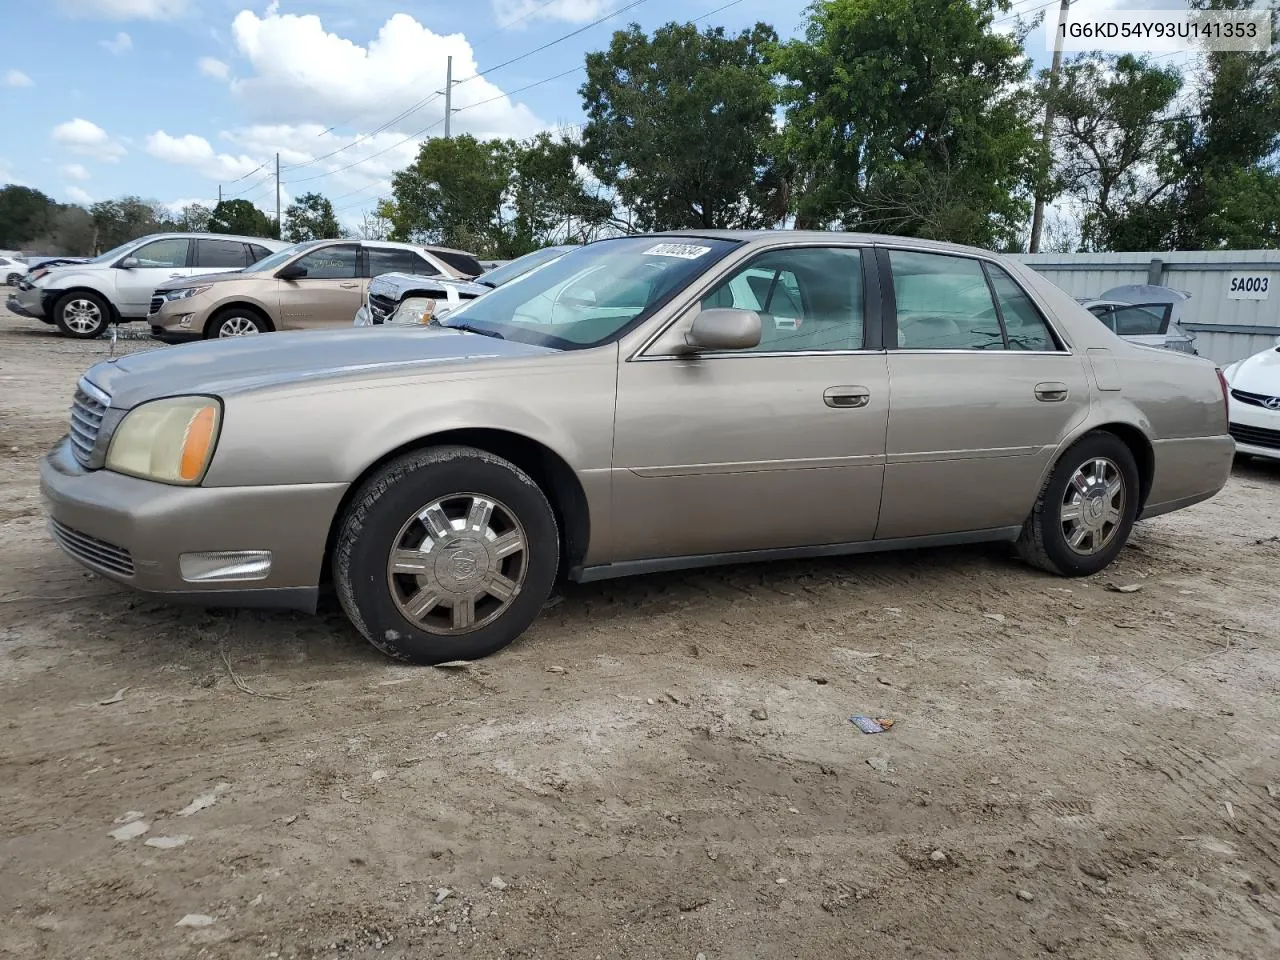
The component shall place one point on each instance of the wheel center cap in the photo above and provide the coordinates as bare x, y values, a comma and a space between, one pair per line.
1094, 508
464, 564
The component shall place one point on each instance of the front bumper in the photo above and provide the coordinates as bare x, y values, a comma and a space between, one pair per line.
172, 335
29, 302
135, 531
1256, 429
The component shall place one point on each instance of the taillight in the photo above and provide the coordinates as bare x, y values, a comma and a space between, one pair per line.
1222, 382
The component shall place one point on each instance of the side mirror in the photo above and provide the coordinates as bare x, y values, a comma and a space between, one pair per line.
724, 328
291, 272
129, 263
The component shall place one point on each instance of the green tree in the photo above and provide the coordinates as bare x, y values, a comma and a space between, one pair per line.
547, 199
1230, 196
242, 218
910, 117
451, 194
681, 125
24, 215
310, 217
194, 218
118, 221
1118, 137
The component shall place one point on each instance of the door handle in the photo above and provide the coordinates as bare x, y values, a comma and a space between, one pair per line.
349, 286
1051, 392
175, 274
846, 397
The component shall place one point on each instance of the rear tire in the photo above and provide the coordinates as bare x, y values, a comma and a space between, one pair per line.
82, 314
445, 554
1086, 510
12, 279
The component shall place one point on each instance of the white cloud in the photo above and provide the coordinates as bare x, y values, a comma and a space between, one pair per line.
213, 67
82, 136
76, 195
75, 171
123, 9
121, 43
508, 12
304, 74
16, 78
197, 153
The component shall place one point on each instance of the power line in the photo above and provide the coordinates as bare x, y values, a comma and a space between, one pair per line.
1025, 13
251, 188
412, 136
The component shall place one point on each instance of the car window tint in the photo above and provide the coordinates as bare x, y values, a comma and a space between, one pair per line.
330, 263
462, 262
1141, 321
1024, 326
171, 252
220, 253
944, 303
258, 253
808, 298
390, 260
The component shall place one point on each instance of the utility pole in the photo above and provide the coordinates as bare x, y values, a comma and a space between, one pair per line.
448, 95
1046, 144
279, 227
219, 193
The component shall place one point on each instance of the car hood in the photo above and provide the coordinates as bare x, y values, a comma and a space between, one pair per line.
1259, 373
223, 277
240, 364
396, 285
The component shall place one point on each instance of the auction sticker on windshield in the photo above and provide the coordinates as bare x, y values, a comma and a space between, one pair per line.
685, 251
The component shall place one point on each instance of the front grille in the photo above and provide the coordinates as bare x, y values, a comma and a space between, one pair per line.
1257, 399
1255, 436
92, 551
87, 411
380, 308
156, 304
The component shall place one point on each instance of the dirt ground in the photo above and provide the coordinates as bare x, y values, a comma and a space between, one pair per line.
662, 768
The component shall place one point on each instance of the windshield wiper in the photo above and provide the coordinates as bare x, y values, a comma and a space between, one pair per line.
470, 329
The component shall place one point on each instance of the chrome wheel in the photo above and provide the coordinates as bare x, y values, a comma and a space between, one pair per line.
82, 316
238, 327
457, 564
1093, 506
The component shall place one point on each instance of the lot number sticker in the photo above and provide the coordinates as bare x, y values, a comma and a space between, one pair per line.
1248, 286
685, 251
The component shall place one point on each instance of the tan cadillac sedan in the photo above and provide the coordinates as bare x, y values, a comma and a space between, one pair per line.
642, 403
315, 284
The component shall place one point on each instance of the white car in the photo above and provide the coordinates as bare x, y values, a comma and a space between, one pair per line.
12, 270
1253, 403
83, 299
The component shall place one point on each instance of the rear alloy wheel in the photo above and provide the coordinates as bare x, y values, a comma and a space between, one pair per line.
82, 315
446, 554
236, 323
1086, 511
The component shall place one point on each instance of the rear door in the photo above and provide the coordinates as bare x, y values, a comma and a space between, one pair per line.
983, 392
158, 262
330, 293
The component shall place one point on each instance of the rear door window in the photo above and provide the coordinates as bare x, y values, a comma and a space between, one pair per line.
220, 254
380, 260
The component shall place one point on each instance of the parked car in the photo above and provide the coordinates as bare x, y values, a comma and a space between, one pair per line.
39, 266
13, 270
1254, 405
1144, 314
83, 299
318, 283
401, 298
636, 405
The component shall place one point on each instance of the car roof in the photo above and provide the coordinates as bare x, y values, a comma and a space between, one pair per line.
196, 235
826, 236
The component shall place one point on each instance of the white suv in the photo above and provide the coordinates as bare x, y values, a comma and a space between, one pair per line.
82, 299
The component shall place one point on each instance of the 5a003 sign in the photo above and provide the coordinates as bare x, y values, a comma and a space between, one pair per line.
1248, 286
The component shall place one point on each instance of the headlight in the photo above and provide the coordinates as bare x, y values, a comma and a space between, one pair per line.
184, 293
169, 440
415, 310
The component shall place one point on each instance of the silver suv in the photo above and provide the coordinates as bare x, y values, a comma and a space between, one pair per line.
82, 299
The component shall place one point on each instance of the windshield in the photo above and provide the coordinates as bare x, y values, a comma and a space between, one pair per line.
276, 259
519, 267
117, 251
591, 295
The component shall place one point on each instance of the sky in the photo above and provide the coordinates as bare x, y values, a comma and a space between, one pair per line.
170, 99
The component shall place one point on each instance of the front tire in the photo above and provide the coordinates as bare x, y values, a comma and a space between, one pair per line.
1086, 511
235, 322
445, 554
12, 279
82, 315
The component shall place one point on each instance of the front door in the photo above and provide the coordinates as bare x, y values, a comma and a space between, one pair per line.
780, 445
983, 392
329, 294
158, 262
